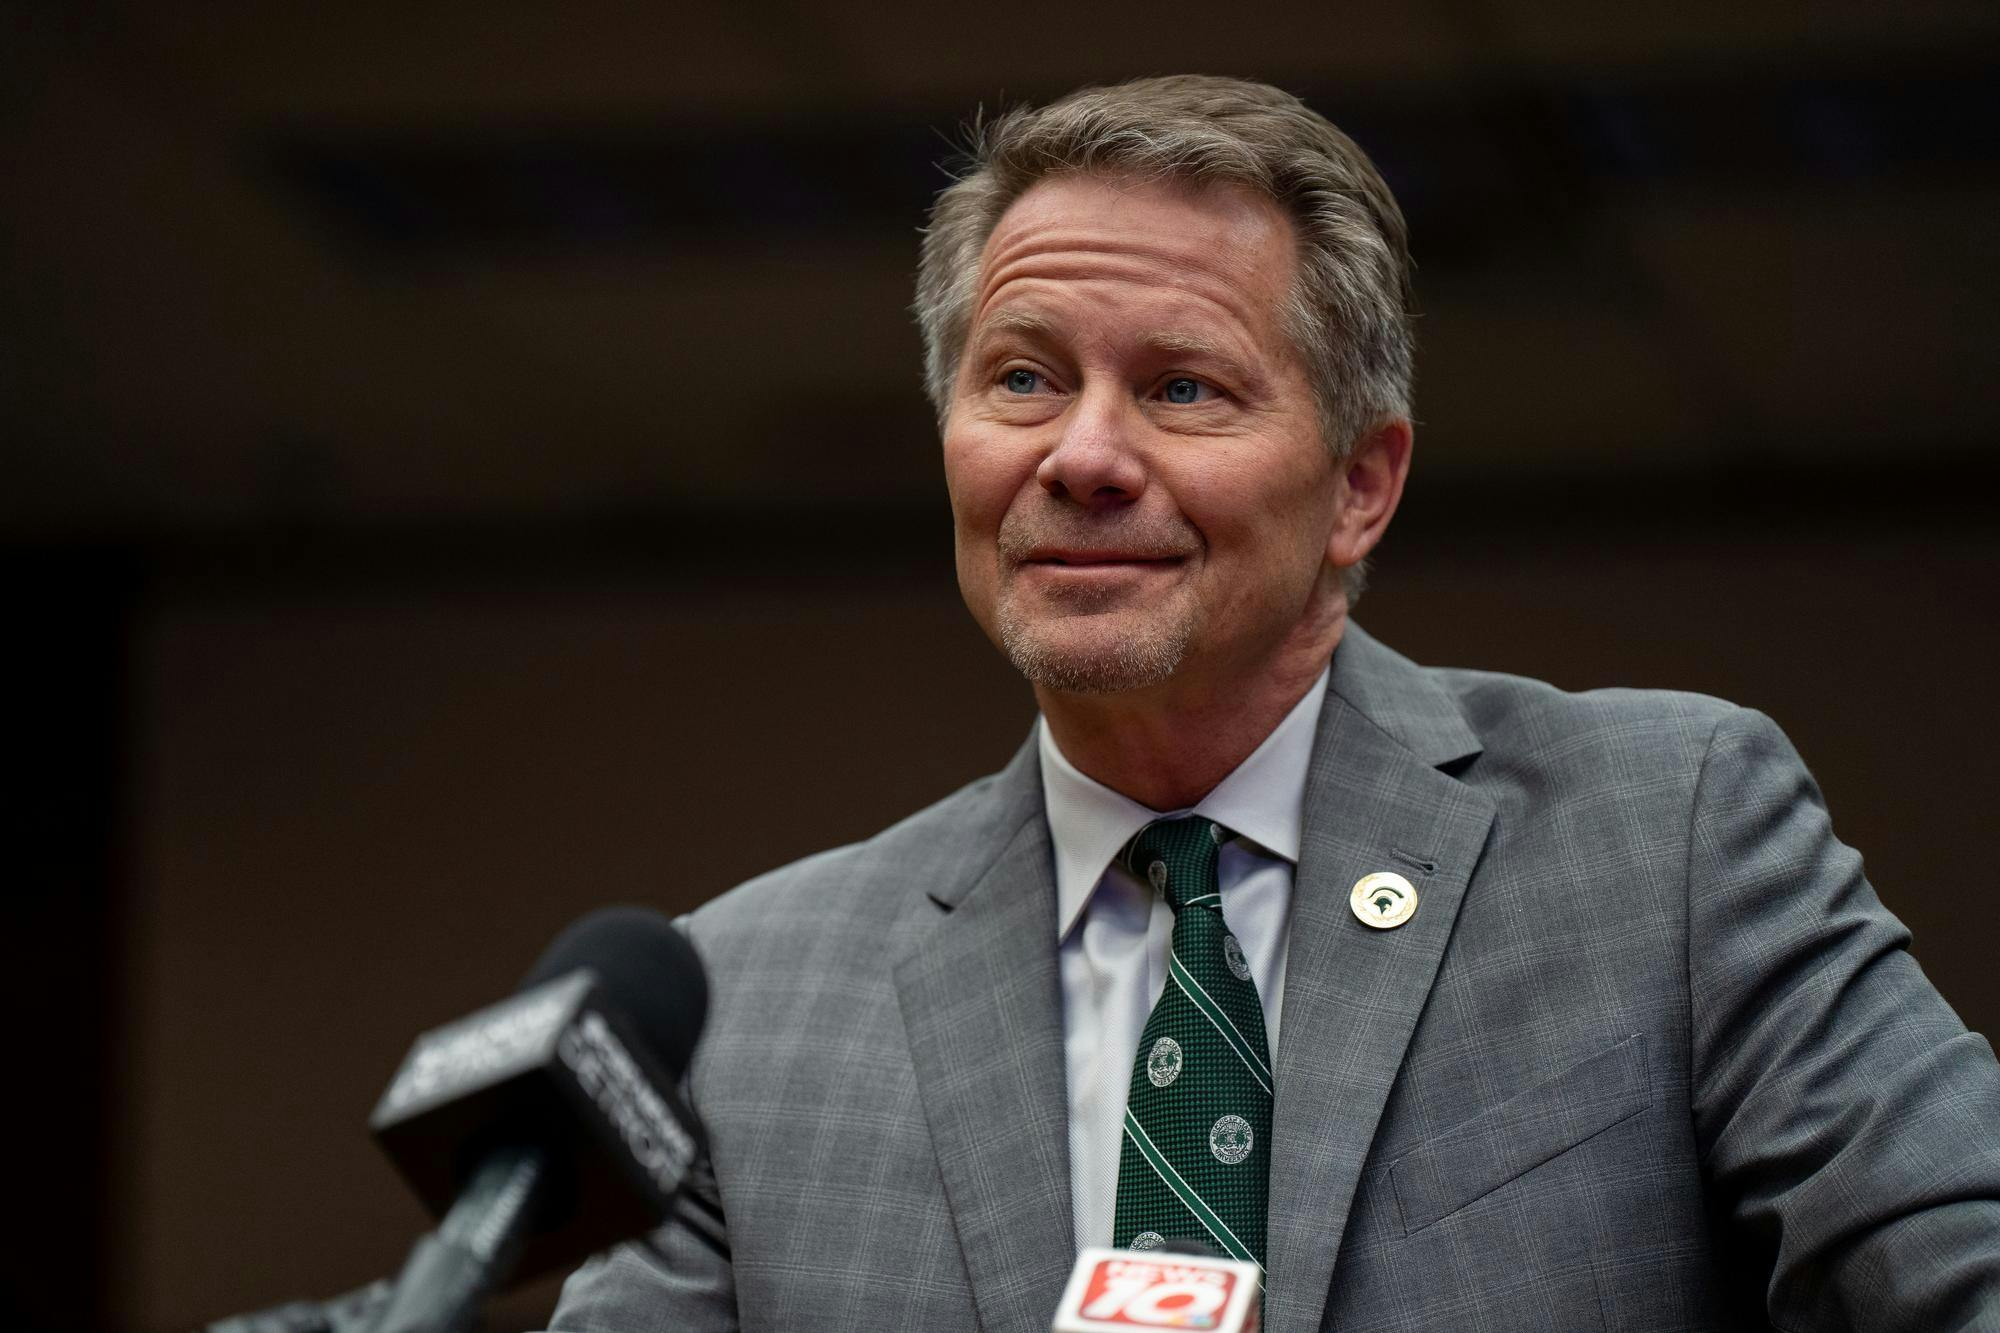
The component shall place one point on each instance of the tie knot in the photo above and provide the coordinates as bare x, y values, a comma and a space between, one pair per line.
1177, 857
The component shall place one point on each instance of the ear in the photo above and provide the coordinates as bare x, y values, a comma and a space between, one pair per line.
1371, 486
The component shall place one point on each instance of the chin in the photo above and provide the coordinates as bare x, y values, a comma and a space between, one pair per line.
1092, 658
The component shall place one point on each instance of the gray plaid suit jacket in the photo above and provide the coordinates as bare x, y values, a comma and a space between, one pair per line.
1650, 1054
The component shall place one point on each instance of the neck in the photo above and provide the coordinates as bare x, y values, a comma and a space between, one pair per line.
1171, 744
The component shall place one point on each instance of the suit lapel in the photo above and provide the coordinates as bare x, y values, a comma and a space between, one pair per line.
1374, 800
981, 1003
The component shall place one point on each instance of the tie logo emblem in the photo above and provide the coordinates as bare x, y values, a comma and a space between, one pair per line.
1232, 955
1157, 873
1147, 1240
1230, 1139
1163, 1062
1383, 899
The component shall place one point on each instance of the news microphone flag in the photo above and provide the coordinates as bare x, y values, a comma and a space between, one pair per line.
1133, 1289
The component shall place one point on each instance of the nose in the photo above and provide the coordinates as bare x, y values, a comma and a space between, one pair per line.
1094, 463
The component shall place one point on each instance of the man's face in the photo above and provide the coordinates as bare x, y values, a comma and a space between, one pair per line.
1137, 475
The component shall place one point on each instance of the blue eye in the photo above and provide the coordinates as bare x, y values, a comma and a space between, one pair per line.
1184, 390
1022, 381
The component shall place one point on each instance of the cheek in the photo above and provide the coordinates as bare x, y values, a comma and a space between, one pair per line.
976, 581
980, 488
975, 563
1278, 531
982, 480
1236, 515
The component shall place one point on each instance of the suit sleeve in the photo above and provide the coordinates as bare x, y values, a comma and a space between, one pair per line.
1849, 1124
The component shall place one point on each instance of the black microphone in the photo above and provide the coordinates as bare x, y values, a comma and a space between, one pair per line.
547, 1127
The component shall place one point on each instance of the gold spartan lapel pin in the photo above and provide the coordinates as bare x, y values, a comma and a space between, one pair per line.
1383, 900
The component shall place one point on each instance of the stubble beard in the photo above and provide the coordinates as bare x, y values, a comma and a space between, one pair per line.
1079, 650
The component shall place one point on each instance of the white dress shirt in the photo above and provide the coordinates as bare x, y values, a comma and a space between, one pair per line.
1113, 930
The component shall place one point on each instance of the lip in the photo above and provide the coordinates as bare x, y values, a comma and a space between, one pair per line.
1076, 570
1092, 559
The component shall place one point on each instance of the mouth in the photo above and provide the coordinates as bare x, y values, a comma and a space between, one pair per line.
1085, 559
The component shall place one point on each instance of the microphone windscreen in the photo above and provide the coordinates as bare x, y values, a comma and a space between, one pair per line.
647, 968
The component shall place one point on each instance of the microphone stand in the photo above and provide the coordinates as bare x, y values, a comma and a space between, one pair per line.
356, 1311
451, 1271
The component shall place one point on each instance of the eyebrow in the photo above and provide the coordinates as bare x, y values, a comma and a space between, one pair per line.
1030, 325
1018, 322
1026, 324
1187, 344
1205, 349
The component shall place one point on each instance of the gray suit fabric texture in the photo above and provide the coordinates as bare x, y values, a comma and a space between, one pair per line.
1650, 1054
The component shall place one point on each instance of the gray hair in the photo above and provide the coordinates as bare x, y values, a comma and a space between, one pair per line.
1349, 313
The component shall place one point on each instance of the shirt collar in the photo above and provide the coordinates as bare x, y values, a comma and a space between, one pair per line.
1263, 800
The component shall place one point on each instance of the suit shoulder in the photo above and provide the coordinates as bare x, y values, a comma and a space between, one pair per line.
1520, 718
864, 883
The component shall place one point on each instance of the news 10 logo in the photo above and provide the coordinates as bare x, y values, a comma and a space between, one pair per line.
1113, 1289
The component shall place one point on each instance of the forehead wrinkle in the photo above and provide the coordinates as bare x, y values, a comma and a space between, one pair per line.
1228, 235
1205, 281
1215, 271
1208, 242
1238, 326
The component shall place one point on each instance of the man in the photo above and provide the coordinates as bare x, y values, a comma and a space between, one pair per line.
1451, 999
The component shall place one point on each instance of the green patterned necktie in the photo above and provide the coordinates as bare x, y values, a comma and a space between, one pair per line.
1196, 1160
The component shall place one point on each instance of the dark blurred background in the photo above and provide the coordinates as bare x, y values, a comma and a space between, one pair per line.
464, 464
